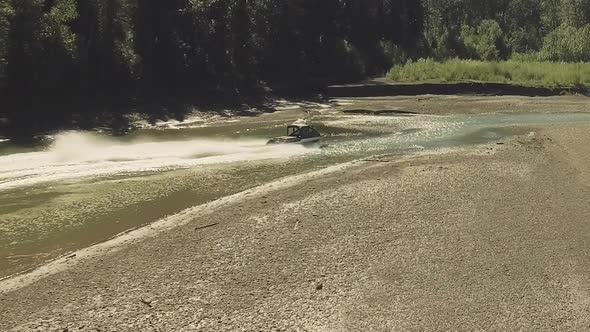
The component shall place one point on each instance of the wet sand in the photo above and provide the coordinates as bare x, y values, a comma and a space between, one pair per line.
492, 237
469, 104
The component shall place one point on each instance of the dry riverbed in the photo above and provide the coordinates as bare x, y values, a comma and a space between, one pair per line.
491, 237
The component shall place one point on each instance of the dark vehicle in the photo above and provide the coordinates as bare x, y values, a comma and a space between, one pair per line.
298, 133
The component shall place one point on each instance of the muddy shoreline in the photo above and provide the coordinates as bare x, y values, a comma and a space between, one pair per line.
386, 89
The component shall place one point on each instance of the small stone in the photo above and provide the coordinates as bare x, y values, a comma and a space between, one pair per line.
146, 300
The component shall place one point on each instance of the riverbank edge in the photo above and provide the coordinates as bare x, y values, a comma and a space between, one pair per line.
70, 260
384, 88
117, 116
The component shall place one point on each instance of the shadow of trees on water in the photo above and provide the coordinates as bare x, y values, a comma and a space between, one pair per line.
28, 120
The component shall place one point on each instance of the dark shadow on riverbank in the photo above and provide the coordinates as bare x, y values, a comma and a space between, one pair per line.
25, 120
380, 88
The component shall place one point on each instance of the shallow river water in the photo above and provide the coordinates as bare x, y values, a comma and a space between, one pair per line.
80, 188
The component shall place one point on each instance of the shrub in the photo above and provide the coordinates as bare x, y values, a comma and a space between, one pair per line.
482, 43
6, 13
567, 44
519, 72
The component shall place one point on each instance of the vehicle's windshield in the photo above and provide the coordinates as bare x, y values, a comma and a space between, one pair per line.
293, 131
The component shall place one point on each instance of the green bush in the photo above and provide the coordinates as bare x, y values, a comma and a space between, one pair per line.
526, 57
6, 13
567, 44
524, 40
534, 73
482, 43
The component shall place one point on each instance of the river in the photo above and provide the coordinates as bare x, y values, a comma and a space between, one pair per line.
79, 188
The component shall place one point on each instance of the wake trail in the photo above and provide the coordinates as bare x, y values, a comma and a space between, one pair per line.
78, 155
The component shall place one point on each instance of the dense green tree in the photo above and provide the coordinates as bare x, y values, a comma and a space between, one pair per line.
6, 13
567, 43
574, 13
483, 42
443, 27
115, 46
523, 25
454, 27
118, 48
106, 54
42, 47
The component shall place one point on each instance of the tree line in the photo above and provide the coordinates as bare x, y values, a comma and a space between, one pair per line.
60, 48
52, 47
540, 30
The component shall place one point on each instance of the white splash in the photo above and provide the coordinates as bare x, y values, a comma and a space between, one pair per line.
77, 155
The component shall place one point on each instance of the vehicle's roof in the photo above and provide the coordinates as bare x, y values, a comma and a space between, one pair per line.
299, 125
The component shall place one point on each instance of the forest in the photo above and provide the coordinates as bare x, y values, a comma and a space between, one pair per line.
55, 50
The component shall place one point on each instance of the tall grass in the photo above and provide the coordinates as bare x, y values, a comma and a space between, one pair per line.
533, 73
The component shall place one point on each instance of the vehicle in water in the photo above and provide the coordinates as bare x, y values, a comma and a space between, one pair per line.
298, 133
